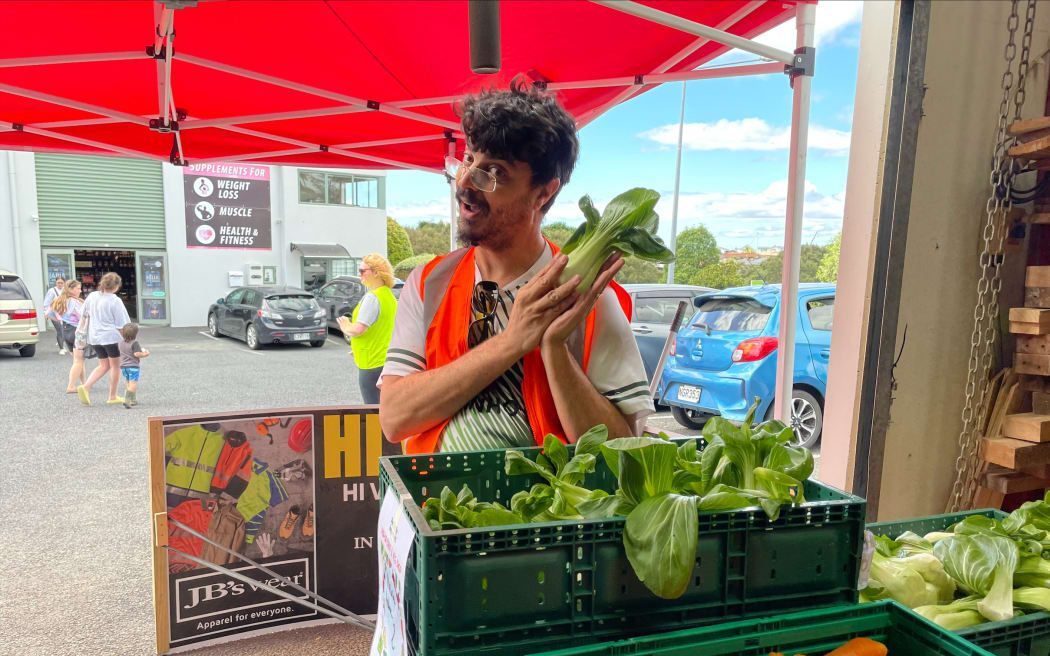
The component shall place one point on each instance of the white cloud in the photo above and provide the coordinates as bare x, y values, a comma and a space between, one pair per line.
746, 134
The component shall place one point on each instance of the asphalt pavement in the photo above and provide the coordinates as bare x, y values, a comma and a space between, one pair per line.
75, 554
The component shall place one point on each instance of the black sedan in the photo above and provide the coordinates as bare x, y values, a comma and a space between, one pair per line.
269, 315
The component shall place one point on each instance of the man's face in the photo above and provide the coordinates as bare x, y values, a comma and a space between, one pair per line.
59, 284
492, 218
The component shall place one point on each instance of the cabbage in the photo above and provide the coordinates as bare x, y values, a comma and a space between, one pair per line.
915, 580
954, 616
982, 565
628, 225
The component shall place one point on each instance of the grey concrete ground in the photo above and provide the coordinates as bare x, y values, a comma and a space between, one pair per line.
75, 570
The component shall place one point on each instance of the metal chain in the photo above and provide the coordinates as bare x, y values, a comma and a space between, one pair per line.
986, 309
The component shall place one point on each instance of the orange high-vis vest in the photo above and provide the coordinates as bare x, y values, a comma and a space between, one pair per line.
446, 288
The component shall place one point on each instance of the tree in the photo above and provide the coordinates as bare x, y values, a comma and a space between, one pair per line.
771, 270
638, 271
558, 232
429, 237
719, 275
404, 267
398, 245
828, 271
695, 249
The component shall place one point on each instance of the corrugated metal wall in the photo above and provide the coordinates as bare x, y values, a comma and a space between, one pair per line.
99, 202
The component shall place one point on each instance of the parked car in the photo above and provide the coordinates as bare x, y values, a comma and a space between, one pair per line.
727, 356
339, 297
654, 306
18, 323
269, 315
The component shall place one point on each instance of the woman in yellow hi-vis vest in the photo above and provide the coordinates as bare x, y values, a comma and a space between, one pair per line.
372, 324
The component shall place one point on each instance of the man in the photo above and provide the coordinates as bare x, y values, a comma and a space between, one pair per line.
488, 350
49, 298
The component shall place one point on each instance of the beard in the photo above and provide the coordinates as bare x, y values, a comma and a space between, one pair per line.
488, 227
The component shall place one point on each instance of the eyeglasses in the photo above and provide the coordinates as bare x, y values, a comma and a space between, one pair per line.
363, 269
480, 178
483, 304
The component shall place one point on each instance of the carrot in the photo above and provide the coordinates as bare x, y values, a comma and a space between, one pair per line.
860, 647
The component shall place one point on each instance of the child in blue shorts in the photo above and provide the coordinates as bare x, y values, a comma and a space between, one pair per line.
130, 355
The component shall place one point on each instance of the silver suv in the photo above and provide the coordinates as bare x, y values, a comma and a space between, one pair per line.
18, 324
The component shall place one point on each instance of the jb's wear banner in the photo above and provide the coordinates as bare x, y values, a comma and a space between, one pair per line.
293, 489
227, 206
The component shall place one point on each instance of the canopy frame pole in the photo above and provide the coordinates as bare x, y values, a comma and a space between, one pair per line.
660, 78
314, 91
626, 94
453, 233
73, 104
796, 193
242, 157
699, 29
71, 59
78, 140
165, 19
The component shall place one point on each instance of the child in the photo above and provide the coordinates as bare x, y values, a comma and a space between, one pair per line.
130, 354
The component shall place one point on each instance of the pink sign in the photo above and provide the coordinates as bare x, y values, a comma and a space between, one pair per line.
242, 171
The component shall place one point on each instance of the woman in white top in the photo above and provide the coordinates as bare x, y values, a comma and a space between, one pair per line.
105, 314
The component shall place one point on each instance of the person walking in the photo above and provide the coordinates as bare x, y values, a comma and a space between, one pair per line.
68, 307
131, 353
372, 324
49, 298
106, 315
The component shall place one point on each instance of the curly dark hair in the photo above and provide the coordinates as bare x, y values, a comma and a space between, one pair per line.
523, 124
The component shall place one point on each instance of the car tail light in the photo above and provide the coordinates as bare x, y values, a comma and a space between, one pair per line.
267, 315
22, 314
752, 350
674, 344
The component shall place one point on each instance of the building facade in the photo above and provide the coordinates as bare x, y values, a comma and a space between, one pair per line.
181, 237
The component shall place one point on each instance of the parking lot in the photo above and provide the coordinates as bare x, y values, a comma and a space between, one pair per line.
76, 573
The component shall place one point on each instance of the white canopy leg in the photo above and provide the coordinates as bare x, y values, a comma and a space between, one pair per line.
796, 193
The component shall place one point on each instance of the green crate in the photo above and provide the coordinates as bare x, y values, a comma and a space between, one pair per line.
1028, 635
813, 632
515, 590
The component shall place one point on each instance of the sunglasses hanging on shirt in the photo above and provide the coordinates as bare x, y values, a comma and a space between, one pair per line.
483, 304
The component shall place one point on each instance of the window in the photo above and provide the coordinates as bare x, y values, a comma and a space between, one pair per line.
346, 266
739, 313
252, 298
13, 289
659, 309
291, 303
235, 297
318, 187
821, 311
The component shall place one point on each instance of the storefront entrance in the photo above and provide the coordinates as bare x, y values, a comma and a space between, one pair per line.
143, 275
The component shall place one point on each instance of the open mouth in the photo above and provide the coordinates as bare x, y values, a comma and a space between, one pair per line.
469, 209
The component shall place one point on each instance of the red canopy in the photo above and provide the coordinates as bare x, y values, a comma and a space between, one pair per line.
360, 84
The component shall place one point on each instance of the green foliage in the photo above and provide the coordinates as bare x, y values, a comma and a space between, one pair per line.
404, 267
771, 269
640, 271
828, 270
695, 249
398, 246
429, 237
628, 225
720, 275
558, 232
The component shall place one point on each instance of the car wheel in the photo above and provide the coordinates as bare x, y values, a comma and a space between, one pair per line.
251, 337
27, 351
318, 343
691, 419
213, 325
807, 418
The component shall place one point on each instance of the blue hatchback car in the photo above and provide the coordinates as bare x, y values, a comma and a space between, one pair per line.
726, 357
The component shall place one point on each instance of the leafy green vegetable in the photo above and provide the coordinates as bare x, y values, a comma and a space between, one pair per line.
954, 616
660, 538
982, 565
453, 511
915, 580
627, 225
1032, 598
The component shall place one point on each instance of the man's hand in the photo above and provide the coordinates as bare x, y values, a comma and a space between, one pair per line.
537, 304
562, 327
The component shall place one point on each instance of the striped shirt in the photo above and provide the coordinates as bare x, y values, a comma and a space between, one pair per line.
496, 417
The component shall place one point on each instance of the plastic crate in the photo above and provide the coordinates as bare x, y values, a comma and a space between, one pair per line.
812, 632
517, 590
1028, 635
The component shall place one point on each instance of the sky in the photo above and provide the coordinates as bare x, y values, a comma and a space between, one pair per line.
735, 148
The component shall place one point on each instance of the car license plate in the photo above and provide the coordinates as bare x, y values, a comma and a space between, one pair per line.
301, 337
689, 393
